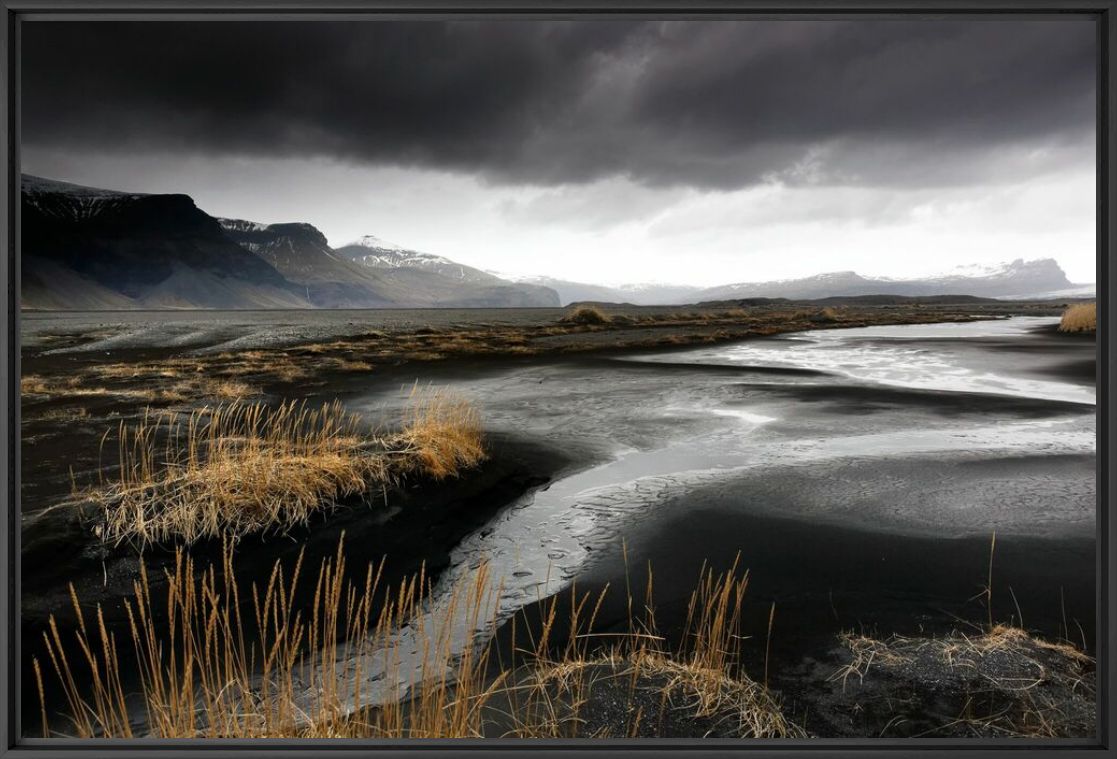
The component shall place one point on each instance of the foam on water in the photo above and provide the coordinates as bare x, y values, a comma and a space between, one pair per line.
535, 547
899, 356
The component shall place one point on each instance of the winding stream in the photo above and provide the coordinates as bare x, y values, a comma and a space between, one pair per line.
943, 431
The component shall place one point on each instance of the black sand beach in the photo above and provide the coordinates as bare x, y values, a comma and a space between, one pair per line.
859, 476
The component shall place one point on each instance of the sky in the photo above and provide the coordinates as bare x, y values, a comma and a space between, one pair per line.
618, 150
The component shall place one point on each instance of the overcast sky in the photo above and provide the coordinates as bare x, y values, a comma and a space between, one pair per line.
612, 151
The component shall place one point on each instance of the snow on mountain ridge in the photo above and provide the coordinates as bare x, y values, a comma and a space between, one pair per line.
64, 200
240, 225
386, 255
375, 243
33, 185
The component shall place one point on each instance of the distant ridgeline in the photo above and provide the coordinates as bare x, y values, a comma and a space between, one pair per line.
1023, 280
87, 248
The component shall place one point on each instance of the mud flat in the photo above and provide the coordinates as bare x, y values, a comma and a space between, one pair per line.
859, 473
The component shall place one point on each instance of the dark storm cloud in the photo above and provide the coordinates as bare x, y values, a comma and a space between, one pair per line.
701, 103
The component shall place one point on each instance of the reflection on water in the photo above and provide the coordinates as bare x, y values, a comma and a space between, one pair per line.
665, 434
916, 356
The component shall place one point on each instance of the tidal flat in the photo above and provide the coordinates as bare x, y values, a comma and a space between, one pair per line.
877, 471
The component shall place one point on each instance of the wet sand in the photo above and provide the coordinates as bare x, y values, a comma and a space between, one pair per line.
859, 474
862, 497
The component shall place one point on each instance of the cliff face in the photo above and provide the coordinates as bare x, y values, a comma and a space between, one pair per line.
137, 251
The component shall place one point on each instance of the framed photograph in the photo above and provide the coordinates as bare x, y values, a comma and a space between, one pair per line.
397, 378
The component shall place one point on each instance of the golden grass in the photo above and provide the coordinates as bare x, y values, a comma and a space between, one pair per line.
70, 414
73, 387
443, 432
738, 706
220, 665
1020, 680
701, 678
589, 315
240, 468
228, 390
149, 384
1081, 317
352, 365
232, 663
176, 381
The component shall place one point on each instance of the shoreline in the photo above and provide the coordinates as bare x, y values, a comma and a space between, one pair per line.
71, 386
557, 459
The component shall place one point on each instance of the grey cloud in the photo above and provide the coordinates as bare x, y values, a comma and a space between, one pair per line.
708, 104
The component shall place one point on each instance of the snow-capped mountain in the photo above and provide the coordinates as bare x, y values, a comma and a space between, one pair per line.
641, 294
301, 253
1018, 279
478, 287
378, 254
373, 242
90, 248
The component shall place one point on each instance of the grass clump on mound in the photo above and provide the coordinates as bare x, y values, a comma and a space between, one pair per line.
241, 468
638, 686
1002, 682
649, 694
257, 666
589, 315
441, 434
1081, 317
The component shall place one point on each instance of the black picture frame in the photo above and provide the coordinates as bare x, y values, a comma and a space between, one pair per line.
16, 12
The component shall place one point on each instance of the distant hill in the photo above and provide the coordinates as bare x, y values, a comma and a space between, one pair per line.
649, 294
852, 300
1017, 280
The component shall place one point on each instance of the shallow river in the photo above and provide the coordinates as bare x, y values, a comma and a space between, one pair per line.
860, 474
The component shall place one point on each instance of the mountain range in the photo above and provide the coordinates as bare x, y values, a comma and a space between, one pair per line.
89, 248
1020, 279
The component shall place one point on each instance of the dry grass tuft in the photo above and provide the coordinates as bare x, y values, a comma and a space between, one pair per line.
211, 663
231, 390
163, 384
226, 662
699, 685
241, 468
443, 432
1082, 317
73, 387
1003, 682
590, 315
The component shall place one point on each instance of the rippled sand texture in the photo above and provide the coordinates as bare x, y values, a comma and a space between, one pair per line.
948, 432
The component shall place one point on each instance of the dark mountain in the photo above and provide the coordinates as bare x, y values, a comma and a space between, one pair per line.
301, 254
88, 248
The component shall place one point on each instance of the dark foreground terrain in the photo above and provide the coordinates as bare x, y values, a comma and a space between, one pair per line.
858, 471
